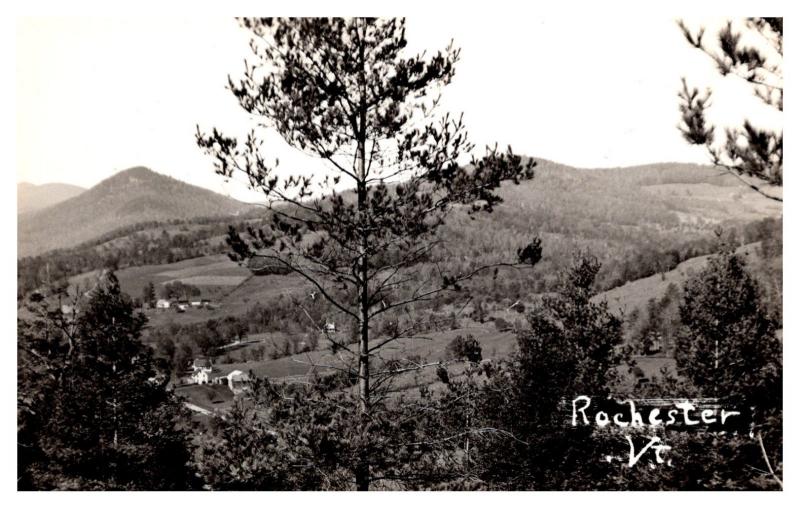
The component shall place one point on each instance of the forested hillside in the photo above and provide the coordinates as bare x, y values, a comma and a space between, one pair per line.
130, 197
637, 221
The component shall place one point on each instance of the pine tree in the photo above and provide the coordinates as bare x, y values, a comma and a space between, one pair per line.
307, 437
728, 348
728, 344
149, 294
748, 150
568, 348
347, 92
93, 412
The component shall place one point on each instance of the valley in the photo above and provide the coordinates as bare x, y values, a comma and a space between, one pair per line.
651, 227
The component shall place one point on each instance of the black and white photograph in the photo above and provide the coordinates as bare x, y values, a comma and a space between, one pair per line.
512, 250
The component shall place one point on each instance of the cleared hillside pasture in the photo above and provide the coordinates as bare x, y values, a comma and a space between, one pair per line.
211, 271
496, 345
635, 294
429, 347
217, 266
233, 300
633, 297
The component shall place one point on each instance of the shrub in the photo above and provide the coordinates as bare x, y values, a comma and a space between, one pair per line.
461, 347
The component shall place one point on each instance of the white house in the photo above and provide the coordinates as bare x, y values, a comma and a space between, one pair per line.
330, 327
162, 304
201, 371
200, 377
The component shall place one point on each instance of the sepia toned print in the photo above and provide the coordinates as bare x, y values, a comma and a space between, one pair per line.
387, 304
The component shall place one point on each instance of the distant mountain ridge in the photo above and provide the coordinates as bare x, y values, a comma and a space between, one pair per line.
32, 197
129, 197
688, 196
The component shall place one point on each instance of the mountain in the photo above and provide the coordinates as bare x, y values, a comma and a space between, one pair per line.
31, 197
129, 197
637, 220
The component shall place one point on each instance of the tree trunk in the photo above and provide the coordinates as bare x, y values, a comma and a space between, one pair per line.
363, 290
362, 477
363, 358
362, 469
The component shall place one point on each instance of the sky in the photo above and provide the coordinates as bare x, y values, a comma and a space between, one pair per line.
99, 95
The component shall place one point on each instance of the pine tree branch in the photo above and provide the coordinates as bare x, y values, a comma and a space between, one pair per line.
735, 172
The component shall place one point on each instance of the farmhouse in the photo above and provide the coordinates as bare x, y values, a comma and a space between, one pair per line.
162, 304
201, 377
201, 371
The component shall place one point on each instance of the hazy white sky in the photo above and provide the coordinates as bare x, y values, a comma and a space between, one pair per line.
95, 96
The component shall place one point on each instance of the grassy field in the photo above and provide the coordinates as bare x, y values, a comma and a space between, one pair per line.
429, 347
495, 345
216, 266
635, 294
211, 397
231, 288
233, 300
208, 271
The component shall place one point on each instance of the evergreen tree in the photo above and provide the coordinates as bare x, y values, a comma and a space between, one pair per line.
569, 348
307, 437
748, 150
728, 345
93, 412
347, 92
149, 294
728, 348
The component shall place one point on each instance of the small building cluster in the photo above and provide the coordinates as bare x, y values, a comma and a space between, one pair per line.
204, 372
182, 305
